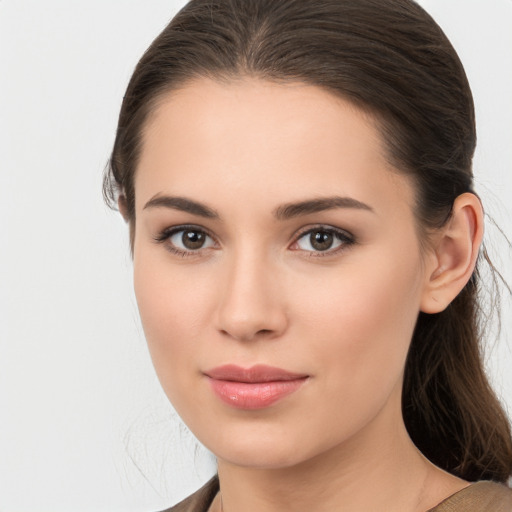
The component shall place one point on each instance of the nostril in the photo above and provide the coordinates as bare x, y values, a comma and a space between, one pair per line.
247, 335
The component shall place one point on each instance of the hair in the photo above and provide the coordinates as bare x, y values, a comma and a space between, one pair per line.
389, 58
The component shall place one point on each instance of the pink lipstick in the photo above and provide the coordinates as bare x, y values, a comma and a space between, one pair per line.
253, 388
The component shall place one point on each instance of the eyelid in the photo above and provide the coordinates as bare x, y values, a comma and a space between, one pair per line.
347, 239
163, 237
345, 236
170, 230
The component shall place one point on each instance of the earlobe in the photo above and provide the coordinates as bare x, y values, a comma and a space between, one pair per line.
454, 254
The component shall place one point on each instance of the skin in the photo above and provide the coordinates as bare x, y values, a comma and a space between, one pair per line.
258, 293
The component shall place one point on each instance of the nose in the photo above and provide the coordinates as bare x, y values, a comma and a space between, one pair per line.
251, 305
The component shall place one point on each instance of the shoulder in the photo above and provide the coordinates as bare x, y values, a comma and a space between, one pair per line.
478, 497
200, 500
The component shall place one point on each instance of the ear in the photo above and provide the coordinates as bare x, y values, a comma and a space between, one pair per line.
454, 254
123, 206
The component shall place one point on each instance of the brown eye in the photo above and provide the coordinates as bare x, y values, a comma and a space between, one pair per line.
193, 239
321, 240
187, 240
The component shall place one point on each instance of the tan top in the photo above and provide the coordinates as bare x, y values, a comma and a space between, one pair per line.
478, 497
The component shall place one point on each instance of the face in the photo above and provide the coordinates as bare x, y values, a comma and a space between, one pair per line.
277, 267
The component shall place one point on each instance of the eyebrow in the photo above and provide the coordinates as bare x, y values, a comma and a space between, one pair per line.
292, 210
182, 204
283, 212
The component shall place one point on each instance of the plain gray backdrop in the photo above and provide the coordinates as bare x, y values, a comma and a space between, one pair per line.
84, 425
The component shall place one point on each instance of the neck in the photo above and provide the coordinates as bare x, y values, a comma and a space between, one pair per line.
380, 469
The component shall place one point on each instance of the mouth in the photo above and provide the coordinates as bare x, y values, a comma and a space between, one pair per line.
253, 388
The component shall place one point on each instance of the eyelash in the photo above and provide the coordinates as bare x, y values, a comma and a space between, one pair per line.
345, 238
165, 236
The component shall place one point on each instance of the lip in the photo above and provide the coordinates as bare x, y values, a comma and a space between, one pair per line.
253, 388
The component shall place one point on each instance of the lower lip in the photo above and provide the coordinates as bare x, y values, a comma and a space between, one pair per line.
254, 395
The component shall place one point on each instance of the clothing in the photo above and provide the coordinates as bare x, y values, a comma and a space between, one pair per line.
200, 500
478, 497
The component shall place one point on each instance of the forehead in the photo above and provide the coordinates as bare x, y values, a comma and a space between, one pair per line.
262, 140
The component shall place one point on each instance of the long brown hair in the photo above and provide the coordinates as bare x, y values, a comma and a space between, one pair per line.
391, 59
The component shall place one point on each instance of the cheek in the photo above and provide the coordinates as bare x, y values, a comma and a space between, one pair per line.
173, 306
363, 324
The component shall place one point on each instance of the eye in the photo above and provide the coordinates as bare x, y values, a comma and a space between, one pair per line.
185, 240
322, 239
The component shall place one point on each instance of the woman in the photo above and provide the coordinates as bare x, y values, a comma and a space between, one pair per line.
297, 180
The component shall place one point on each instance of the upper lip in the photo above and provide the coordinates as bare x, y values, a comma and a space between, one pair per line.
257, 373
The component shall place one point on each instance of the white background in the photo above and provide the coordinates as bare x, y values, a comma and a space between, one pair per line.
83, 423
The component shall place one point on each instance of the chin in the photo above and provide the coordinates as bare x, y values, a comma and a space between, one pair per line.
262, 446
262, 457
